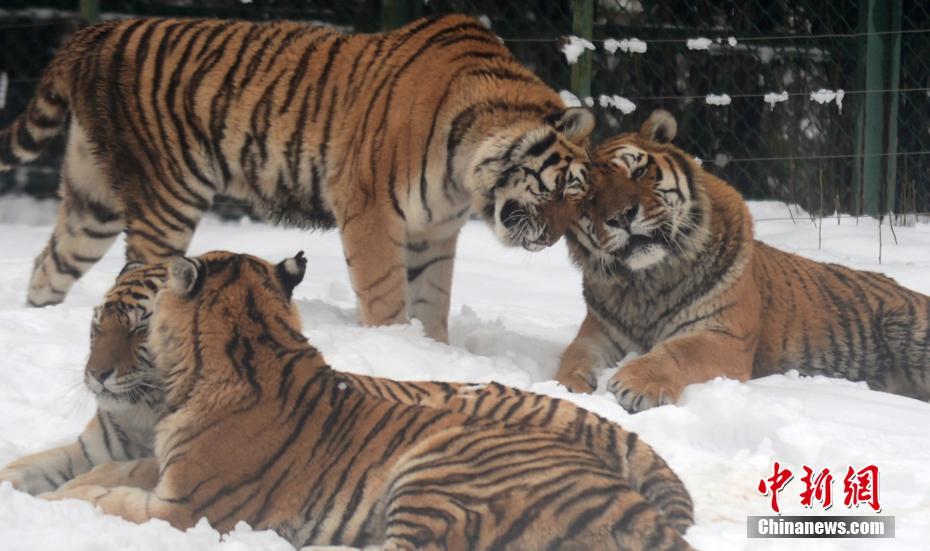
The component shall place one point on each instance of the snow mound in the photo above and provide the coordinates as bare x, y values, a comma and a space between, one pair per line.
717, 99
701, 43
626, 45
772, 98
574, 47
617, 102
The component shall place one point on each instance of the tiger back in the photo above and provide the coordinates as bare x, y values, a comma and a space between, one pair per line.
672, 272
260, 429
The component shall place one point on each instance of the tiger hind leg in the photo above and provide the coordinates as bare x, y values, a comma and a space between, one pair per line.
163, 224
89, 221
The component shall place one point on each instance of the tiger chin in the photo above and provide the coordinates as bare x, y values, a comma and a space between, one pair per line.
258, 428
394, 138
672, 273
121, 376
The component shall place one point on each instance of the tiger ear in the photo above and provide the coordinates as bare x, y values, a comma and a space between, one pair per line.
131, 265
185, 275
660, 127
575, 123
291, 272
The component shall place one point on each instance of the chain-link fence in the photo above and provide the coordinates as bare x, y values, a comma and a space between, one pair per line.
824, 104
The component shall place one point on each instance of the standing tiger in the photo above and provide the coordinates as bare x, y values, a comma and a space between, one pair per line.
394, 138
260, 429
671, 271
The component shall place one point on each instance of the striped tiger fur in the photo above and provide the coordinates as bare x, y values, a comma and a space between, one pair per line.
120, 374
260, 429
671, 271
394, 138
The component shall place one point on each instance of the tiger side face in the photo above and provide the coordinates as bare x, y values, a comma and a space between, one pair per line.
646, 205
532, 180
221, 287
119, 370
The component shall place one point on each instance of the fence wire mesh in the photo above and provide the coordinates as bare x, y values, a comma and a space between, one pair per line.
844, 155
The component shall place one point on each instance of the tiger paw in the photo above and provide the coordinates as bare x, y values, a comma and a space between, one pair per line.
641, 385
577, 381
25, 480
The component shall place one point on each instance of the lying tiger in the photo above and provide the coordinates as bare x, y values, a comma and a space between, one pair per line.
609, 488
671, 271
394, 138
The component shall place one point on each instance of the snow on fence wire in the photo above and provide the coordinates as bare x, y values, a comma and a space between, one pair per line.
743, 78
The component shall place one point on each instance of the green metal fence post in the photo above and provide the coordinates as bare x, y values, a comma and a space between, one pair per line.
397, 13
877, 122
90, 11
582, 26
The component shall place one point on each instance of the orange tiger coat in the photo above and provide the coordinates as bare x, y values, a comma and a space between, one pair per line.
672, 272
394, 138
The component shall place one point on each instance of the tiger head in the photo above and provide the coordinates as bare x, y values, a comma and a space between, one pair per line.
532, 178
221, 304
647, 202
119, 371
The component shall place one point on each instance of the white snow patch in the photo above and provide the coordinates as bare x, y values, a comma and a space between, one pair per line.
513, 313
626, 45
617, 102
826, 96
717, 99
772, 98
701, 43
569, 99
574, 47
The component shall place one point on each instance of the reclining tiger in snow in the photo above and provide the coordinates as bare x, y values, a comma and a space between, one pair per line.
258, 428
394, 138
671, 271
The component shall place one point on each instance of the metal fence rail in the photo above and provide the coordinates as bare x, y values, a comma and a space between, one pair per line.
866, 152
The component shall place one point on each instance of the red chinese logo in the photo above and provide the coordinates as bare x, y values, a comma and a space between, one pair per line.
862, 487
858, 487
819, 488
776, 482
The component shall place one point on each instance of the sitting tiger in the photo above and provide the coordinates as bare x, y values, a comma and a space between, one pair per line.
394, 138
120, 374
259, 429
671, 271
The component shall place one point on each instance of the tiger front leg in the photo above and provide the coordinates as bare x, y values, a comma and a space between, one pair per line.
659, 377
139, 473
132, 504
44, 471
429, 283
374, 246
591, 350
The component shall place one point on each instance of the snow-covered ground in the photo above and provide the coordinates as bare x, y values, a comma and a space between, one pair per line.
513, 313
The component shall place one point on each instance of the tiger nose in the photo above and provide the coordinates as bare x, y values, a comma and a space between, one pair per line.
624, 219
101, 374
